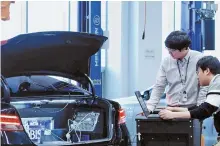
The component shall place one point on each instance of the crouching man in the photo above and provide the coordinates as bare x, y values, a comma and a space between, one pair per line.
208, 70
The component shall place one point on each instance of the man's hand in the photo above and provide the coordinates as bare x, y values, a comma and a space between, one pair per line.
166, 114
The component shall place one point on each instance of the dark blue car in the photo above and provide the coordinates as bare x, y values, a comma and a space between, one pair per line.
47, 97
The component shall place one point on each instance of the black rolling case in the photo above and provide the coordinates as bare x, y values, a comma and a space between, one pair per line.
153, 131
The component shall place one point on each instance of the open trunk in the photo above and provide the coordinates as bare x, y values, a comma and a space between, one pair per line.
65, 120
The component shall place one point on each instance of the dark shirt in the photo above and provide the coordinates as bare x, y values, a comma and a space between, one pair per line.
211, 106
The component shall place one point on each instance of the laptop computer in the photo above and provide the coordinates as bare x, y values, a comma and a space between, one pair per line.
142, 103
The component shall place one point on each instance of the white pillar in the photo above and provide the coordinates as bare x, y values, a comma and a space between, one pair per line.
145, 53
132, 63
112, 75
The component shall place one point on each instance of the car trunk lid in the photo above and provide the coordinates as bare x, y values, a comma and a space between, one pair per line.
54, 51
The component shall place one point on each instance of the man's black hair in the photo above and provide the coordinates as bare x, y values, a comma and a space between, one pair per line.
209, 62
177, 40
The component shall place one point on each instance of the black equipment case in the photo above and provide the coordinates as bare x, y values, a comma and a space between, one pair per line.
153, 131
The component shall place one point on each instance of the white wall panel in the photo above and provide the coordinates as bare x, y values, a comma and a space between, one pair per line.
16, 24
47, 16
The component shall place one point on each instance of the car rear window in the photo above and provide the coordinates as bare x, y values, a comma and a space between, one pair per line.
39, 83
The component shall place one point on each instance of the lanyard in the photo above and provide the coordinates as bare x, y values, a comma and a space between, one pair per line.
186, 71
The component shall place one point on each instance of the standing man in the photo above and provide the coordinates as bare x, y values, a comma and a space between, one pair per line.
178, 72
209, 74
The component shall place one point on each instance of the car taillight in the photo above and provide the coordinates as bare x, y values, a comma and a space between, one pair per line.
122, 116
10, 123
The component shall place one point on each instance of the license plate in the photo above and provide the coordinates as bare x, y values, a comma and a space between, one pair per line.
35, 126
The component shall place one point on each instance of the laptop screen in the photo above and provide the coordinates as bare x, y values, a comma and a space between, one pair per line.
142, 103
